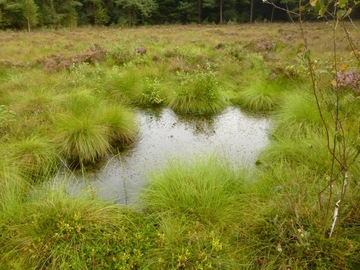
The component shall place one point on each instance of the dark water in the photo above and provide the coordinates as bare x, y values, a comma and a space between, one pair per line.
232, 135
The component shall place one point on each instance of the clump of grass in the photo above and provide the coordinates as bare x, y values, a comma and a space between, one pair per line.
122, 87
13, 184
198, 94
53, 230
81, 139
120, 122
308, 151
206, 190
35, 156
91, 126
81, 102
34, 100
298, 112
261, 96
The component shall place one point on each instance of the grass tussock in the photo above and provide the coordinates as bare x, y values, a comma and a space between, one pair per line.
261, 96
299, 113
81, 139
205, 190
311, 152
120, 122
35, 156
198, 94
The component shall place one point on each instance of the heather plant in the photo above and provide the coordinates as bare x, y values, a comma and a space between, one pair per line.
347, 80
120, 55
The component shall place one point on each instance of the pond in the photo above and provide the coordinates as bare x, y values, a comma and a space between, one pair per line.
232, 135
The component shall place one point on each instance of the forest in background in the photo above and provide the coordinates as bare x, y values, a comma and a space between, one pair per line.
28, 14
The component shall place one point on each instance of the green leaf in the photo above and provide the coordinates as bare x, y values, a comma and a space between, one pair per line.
348, 12
322, 11
299, 48
307, 54
343, 3
313, 2
340, 13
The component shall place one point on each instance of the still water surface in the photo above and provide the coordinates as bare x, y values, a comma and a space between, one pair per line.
232, 135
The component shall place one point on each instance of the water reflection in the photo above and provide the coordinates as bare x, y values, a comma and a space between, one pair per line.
232, 135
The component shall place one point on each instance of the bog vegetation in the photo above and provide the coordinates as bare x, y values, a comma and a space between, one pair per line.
68, 99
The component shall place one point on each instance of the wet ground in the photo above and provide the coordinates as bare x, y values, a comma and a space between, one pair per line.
232, 135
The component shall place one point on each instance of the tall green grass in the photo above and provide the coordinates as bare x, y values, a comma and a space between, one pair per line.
289, 229
205, 190
81, 139
35, 156
120, 122
309, 151
262, 95
198, 94
198, 205
298, 112
122, 86
13, 185
90, 125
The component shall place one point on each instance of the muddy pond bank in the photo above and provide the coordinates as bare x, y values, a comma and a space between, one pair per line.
163, 135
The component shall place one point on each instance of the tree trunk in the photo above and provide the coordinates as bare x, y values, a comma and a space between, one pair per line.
199, 7
221, 10
28, 25
251, 10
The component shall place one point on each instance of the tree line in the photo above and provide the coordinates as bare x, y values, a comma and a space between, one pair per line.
19, 14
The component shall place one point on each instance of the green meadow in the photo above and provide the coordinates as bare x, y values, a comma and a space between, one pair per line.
68, 99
